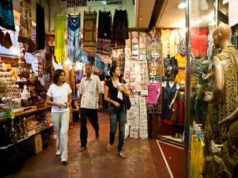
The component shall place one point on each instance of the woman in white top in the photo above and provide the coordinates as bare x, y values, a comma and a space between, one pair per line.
59, 97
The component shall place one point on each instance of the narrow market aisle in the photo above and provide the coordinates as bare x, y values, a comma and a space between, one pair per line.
143, 158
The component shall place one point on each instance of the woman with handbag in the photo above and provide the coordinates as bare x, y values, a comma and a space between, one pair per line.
117, 94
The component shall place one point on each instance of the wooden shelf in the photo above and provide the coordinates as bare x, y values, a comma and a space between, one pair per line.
25, 113
8, 146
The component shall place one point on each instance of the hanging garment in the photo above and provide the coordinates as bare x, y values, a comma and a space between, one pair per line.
165, 36
199, 109
180, 110
104, 33
181, 75
6, 15
89, 31
153, 94
199, 42
59, 39
5, 40
225, 102
169, 92
120, 28
173, 42
74, 51
25, 31
196, 157
40, 27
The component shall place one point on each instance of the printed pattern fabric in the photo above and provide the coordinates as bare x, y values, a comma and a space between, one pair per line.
225, 102
120, 28
6, 15
59, 39
25, 31
89, 32
40, 27
153, 94
74, 51
104, 33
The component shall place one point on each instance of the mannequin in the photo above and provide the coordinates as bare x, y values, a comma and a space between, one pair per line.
179, 98
223, 98
170, 92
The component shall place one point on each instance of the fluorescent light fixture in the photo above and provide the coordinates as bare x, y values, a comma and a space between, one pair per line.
182, 5
104, 2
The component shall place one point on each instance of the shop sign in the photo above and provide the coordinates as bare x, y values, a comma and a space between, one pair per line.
105, 2
76, 3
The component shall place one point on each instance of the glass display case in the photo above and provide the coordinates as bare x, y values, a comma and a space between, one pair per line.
211, 101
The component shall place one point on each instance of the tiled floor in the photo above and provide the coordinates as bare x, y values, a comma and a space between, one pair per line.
143, 159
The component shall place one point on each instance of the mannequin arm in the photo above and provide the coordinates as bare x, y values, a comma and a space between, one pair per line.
231, 117
173, 100
219, 74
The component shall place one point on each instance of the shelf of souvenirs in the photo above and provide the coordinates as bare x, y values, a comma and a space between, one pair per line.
30, 134
24, 111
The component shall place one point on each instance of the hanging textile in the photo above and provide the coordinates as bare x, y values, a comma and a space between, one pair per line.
5, 39
153, 93
40, 27
59, 39
74, 51
199, 40
25, 31
6, 15
197, 158
120, 29
89, 32
104, 33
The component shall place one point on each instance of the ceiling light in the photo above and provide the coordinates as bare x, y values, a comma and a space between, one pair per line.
104, 2
182, 5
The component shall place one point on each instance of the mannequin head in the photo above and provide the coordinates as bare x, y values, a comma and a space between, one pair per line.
198, 89
182, 85
221, 36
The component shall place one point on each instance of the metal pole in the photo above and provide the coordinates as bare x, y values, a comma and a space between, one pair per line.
187, 95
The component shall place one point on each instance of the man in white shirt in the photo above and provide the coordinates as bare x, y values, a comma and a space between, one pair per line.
90, 94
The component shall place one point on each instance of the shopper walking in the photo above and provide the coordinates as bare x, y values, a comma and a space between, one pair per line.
59, 97
117, 90
90, 95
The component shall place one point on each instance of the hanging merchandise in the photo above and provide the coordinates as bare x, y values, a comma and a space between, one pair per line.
40, 27
197, 157
155, 59
5, 39
153, 93
104, 33
25, 31
59, 39
170, 92
181, 60
89, 32
6, 15
120, 29
199, 40
74, 51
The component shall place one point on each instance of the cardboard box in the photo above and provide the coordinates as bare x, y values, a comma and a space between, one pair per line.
38, 143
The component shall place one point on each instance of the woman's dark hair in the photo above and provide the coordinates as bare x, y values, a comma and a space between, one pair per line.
112, 70
57, 74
